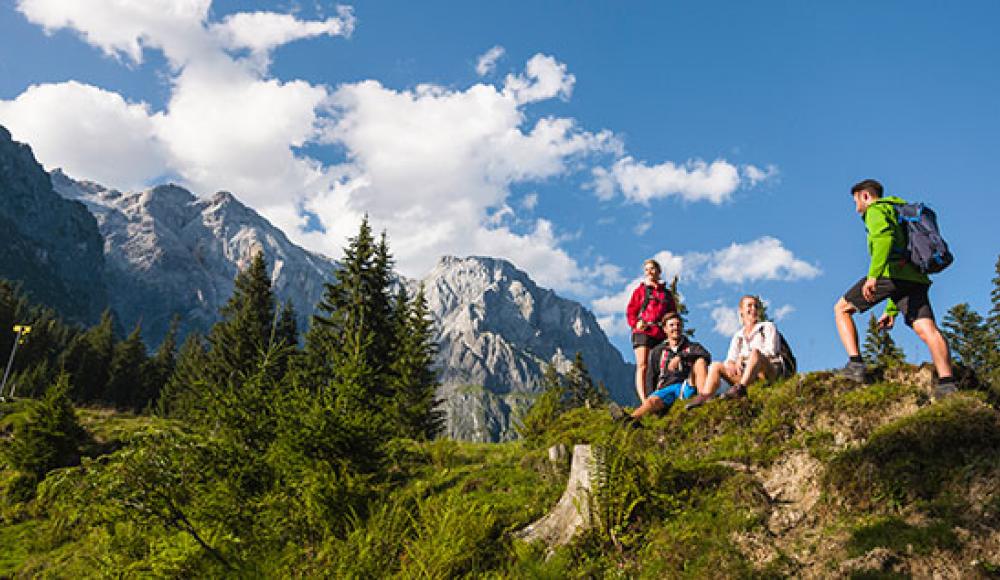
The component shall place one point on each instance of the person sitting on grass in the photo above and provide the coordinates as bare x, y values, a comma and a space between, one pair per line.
754, 354
674, 366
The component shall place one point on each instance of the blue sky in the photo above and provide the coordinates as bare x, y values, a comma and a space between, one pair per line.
721, 137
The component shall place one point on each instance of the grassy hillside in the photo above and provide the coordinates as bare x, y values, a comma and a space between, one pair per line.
812, 477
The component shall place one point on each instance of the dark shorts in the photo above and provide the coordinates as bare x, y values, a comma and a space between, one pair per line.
643, 339
910, 297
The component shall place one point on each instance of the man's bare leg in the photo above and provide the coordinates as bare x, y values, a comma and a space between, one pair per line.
928, 332
650, 405
843, 313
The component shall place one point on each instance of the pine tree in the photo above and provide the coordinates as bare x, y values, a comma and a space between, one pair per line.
51, 435
994, 325
993, 320
87, 359
969, 339
547, 407
180, 393
580, 387
353, 326
414, 379
126, 374
160, 366
682, 308
239, 342
762, 315
879, 349
287, 330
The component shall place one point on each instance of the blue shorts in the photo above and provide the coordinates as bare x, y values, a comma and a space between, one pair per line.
671, 393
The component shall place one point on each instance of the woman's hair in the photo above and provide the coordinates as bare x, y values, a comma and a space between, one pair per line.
756, 299
655, 264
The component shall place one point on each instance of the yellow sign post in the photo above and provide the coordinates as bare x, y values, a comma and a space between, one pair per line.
22, 330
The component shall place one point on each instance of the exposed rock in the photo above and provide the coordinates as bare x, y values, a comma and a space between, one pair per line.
876, 560
169, 253
793, 485
498, 329
51, 245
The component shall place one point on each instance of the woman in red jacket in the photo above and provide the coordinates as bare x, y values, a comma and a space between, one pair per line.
650, 302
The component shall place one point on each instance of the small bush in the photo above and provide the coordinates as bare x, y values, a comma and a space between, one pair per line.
898, 536
915, 457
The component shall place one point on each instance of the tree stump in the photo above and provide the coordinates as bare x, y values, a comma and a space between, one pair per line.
572, 513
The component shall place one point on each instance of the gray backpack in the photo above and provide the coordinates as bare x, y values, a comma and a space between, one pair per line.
925, 248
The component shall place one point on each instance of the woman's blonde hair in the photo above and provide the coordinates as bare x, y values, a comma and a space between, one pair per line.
757, 300
655, 264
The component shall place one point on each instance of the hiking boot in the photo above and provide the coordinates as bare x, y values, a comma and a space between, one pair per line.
737, 391
854, 371
943, 390
697, 401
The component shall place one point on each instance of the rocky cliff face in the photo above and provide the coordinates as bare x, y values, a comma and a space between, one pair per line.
49, 244
169, 253
497, 330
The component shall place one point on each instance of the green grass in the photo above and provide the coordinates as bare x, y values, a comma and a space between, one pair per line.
674, 499
901, 537
15, 545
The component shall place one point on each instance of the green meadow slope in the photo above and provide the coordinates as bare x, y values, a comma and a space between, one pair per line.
812, 477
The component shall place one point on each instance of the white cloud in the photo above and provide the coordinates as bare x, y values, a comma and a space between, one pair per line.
755, 175
487, 62
432, 165
122, 28
261, 32
782, 312
692, 181
727, 320
762, 259
88, 132
643, 226
610, 310
544, 78
605, 273
226, 125
444, 159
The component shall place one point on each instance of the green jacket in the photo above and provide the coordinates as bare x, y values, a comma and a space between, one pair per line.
884, 235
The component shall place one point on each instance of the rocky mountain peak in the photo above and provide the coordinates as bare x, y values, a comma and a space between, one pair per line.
497, 330
170, 252
50, 244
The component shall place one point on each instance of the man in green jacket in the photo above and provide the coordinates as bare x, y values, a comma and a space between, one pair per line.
893, 278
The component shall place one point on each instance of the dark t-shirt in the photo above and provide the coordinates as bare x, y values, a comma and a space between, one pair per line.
688, 351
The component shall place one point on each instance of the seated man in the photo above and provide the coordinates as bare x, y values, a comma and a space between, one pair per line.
670, 364
754, 354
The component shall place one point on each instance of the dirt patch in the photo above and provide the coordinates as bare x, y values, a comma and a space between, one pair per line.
792, 483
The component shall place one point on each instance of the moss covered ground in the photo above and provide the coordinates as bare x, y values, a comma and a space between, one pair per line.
811, 477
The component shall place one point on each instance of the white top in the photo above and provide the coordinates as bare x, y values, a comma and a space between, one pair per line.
763, 337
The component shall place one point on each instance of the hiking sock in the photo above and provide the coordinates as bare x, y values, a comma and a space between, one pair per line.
946, 381
857, 359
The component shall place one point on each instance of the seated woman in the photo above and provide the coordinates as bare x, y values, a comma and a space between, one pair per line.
676, 366
754, 354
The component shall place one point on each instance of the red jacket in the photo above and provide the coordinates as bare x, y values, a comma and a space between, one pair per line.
660, 303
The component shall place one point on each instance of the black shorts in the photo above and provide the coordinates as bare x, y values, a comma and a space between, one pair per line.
643, 339
910, 297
